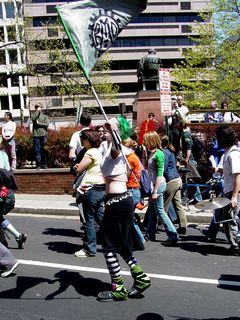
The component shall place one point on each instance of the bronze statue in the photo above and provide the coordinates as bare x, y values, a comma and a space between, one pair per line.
148, 66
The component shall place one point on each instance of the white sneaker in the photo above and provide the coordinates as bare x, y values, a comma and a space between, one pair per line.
8, 272
83, 254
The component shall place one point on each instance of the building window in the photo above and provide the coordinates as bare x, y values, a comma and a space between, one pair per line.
52, 32
16, 102
2, 57
170, 41
51, 9
1, 13
169, 19
1, 34
13, 59
156, 42
11, 32
4, 103
14, 81
56, 102
3, 80
185, 5
42, 21
9, 6
186, 29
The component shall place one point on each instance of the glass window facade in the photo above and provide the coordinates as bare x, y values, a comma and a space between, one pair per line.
13, 58
146, 42
1, 12
9, 7
2, 57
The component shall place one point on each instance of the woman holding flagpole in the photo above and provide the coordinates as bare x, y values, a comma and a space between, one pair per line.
117, 232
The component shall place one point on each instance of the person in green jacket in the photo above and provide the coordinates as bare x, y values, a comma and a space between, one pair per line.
40, 126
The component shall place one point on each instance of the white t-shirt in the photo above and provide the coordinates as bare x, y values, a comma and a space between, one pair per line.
75, 142
8, 129
231, 166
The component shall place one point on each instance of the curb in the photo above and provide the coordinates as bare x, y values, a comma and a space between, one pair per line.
202, 217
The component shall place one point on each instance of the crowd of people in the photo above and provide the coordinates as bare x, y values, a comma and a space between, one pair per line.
107, 161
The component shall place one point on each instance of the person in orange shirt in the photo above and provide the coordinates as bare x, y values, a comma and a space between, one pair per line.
133, 183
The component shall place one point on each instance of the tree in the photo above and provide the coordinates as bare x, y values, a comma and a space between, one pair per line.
50, 64
210, 69
54, 59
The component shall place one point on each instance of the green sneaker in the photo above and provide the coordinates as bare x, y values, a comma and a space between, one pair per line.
141, 282
118, 292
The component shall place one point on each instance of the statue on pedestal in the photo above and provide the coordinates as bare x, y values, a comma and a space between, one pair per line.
148, 68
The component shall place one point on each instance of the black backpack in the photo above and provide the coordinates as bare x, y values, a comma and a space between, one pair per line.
198, 149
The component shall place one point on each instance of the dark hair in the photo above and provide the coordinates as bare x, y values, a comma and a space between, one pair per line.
151, 114
226, 137
85, 119
165, 142
224, 102
38, 105
9, 114
92, 136
99, 127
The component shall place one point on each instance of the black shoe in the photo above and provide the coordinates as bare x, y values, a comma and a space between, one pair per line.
207, 236
170, 243
5, 243
233, 251
182, 230
21, 241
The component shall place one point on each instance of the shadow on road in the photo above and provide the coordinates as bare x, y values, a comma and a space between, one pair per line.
186, 318
22, 285
150, 316
229, 277
83, 286
62, 232
204, 249
63, 247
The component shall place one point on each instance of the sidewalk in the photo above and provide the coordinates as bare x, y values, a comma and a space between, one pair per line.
65, 205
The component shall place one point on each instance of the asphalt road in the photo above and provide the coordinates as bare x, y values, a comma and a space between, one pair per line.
196, 280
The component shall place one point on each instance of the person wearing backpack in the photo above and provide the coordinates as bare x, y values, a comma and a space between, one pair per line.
174, 185
156, 172
227, 116
188, 158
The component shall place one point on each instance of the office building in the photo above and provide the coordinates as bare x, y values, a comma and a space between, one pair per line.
164, 25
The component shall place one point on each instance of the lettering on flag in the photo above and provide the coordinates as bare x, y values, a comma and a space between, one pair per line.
93, 25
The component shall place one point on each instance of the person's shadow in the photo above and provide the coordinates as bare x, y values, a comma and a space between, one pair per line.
62, 232
22, 285
63, 247
83, 286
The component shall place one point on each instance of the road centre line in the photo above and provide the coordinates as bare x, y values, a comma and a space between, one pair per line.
151, 275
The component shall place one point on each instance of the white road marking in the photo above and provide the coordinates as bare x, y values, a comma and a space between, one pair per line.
151, 275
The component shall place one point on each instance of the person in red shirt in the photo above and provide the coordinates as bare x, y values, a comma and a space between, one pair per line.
151, 124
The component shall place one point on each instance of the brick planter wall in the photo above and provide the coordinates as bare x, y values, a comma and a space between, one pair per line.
46, 181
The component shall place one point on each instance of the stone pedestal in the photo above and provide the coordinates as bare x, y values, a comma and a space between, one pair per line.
145, 102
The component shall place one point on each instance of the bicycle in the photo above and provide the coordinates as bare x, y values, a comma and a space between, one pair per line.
196, 192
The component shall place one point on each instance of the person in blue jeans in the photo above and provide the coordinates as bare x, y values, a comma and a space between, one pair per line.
92, 190
155, 170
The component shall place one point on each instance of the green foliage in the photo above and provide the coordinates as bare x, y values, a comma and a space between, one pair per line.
211, 68
63, 69
57, 147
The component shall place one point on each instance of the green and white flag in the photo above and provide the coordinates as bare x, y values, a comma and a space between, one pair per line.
93, 25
